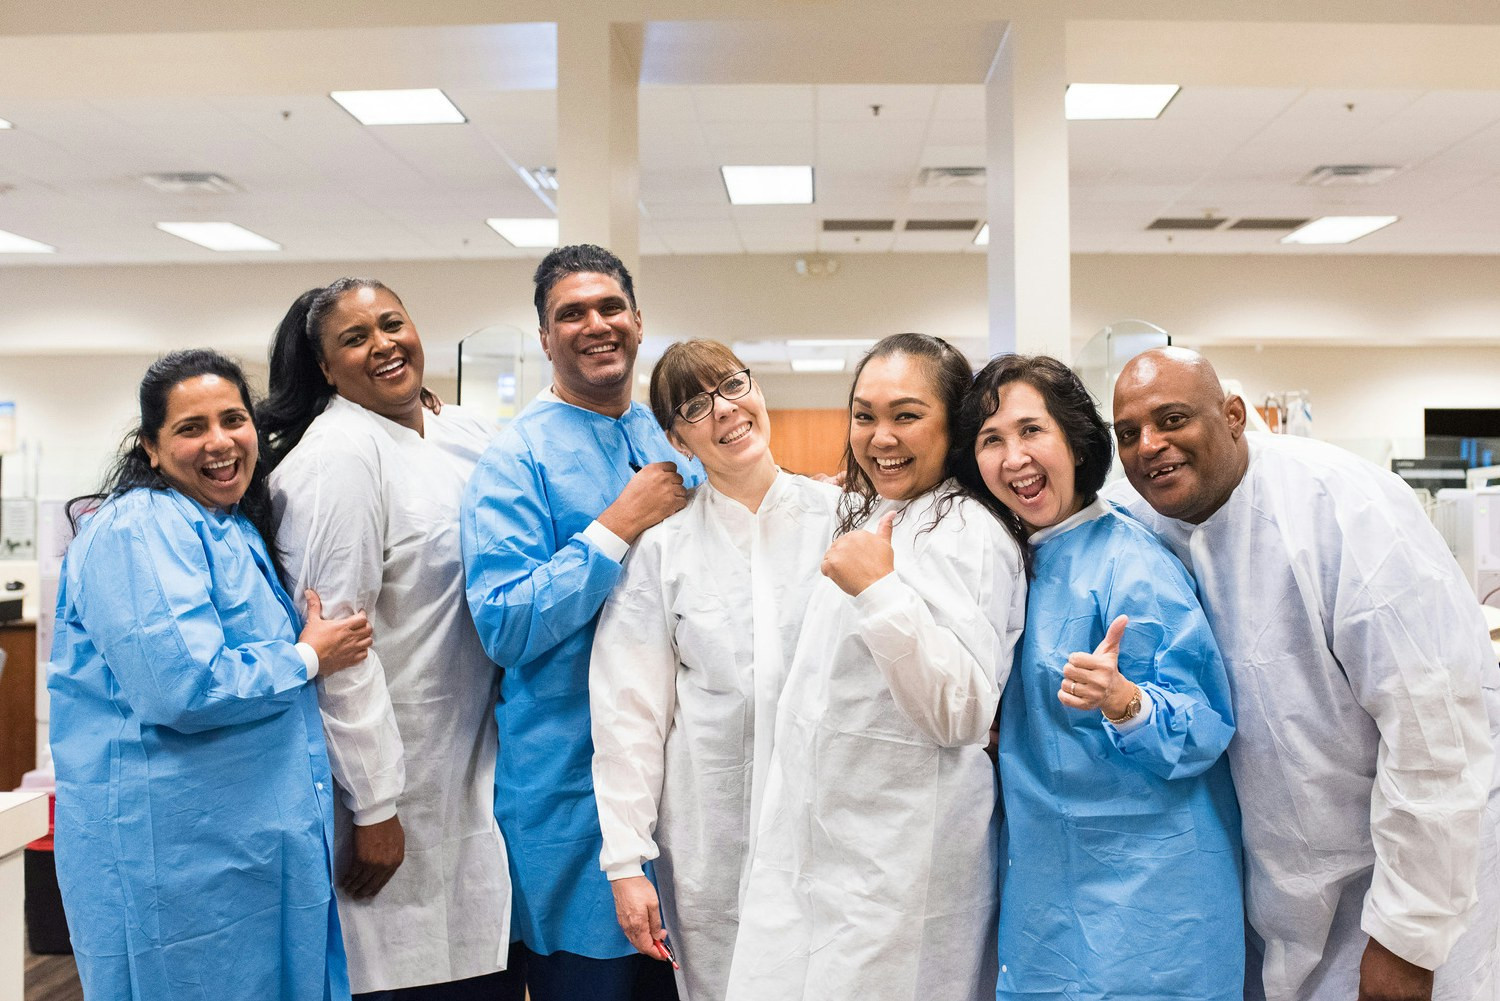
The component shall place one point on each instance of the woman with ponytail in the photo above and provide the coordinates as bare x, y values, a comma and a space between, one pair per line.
366, 490
194, 802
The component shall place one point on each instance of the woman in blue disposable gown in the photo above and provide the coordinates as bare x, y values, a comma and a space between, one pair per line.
1123, 875
194, 803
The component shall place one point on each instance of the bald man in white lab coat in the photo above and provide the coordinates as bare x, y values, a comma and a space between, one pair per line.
1365, 688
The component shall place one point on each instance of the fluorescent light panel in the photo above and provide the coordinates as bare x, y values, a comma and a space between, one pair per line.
1338, 228
428, 106
220, 236
10, 243
524, 233
1086, 102
982, 238
817, 364
5, 125
768, 185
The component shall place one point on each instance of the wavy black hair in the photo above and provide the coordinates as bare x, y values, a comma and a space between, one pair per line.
1068, 402
132, 467
950, 374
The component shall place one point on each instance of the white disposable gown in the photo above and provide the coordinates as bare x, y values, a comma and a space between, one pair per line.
194, 804
875, 868
368, 517
689, 659
1368, 702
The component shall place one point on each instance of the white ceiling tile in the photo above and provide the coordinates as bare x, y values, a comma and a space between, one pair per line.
850, 243
699, 237
857, 104
764, 103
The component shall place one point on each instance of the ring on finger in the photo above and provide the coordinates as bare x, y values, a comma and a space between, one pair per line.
1073, 688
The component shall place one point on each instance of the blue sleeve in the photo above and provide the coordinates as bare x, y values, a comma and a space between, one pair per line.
144, 600
1170, 652
526, 594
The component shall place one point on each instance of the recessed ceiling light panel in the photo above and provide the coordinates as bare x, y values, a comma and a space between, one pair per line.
526, 233
10, 243
1338, 229
5, 125
982, 238
1090, 102
768, 185
427, 106
220, 236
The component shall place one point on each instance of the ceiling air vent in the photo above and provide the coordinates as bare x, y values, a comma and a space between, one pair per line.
940, 225
858, 225
1198, 222
1348, 174
950, 177
1266, 224
192, 183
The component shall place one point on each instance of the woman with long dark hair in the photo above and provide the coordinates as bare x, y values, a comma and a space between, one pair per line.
1124, 872
366, 490
875, 869
194, 802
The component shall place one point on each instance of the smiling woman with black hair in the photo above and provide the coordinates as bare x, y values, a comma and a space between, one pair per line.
194, 809
366, 493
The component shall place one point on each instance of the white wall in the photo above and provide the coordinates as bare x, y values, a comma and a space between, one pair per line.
1389, 335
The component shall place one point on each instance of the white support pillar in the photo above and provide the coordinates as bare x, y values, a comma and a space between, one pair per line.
1027, 190
598, 149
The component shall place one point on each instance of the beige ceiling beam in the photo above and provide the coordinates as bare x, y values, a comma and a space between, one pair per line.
1247, 54
1027, 191
598, 149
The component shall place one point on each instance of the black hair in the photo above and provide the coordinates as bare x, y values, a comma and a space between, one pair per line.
298, 390
580, 258
950, 374
1068, 402
132, 467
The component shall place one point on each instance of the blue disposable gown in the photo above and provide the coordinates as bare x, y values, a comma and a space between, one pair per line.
194, 810
1124, 849
536, 585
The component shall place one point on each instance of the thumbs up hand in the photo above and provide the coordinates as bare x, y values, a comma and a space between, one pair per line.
859, 559
1093, 680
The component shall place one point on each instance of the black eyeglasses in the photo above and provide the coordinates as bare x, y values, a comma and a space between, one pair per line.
731, 387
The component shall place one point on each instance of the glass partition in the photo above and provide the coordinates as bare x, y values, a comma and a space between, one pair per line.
1100, 360
500, 369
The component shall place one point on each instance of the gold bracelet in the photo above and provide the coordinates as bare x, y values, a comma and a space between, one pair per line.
1132, 709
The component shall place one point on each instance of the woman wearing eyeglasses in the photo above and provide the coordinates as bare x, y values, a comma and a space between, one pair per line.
688, 663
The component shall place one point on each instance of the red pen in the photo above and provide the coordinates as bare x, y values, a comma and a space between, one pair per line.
666, 952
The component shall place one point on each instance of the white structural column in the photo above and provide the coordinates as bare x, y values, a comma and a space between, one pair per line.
1027, 190
598, 149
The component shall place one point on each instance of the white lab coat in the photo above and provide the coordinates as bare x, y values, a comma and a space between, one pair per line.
367, 516
688, 662
875, 870
1368, 704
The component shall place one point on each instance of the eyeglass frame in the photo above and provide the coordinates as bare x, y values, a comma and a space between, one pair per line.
716, 391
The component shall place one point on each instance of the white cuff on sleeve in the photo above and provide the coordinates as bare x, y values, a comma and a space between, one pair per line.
625, 872
310, 658
374, 815
1140, 719
883, 595
606, 542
